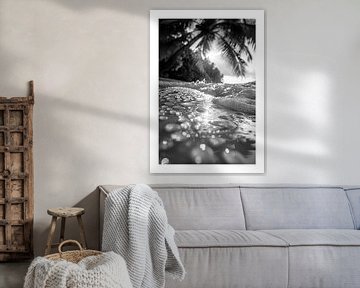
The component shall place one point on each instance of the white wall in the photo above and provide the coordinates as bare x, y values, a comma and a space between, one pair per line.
89, 60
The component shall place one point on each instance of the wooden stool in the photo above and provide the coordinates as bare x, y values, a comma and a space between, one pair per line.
64, 213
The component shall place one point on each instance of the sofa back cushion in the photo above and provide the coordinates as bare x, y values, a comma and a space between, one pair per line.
354, 198
203, 207
296, 208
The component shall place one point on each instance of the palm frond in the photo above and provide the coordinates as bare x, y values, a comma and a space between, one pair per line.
250, 29
245, 49
206, 25
205, 43
233, 57
236, 38
241, 31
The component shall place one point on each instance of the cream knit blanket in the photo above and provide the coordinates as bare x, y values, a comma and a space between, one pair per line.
103, 271
136, 227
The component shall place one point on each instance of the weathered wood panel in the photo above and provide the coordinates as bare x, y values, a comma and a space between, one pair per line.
16, 177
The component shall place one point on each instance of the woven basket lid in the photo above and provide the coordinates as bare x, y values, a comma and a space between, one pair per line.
72, 256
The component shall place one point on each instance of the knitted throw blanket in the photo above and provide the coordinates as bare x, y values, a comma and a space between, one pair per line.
103, 271
136, 227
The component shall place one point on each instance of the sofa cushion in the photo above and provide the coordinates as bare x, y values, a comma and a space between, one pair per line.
322, 258
226, 238
296, 208
354, 198
324, 266
206, 208
220, 267
317, 237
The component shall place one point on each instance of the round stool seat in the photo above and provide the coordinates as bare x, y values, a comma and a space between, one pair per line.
66, 211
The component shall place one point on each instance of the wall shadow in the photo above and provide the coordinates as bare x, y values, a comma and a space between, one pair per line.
142, 7
102, 113
68, 165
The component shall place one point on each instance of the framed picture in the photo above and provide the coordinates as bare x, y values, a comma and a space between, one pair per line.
206, 91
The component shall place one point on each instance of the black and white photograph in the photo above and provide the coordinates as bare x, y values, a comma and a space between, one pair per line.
207, 80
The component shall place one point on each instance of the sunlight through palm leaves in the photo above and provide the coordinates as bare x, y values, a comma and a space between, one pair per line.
235, 38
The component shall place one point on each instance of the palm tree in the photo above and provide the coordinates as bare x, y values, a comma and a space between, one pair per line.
234, 37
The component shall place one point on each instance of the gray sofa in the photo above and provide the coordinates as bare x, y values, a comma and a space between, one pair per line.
248, 236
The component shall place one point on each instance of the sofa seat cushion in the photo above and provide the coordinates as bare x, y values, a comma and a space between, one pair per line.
226, 238
317, 237
233, 267
323, 258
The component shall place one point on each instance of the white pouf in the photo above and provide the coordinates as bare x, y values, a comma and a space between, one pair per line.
105, 270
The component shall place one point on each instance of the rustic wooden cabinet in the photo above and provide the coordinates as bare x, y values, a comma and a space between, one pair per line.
16, 177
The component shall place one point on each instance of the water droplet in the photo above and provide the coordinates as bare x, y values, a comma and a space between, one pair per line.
234, 157
171, 127
178, 136
200, 156
203, 147
166, 144
185, 125
188, 104
182, 118
197, 159
227, 150
165, 161
216, 142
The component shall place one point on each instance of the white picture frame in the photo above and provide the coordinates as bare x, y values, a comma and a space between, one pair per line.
155, 161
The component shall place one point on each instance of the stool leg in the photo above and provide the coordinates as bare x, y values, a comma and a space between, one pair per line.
51, 235
82, 232
62, 230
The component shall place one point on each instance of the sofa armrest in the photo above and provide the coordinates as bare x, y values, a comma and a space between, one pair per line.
103, 195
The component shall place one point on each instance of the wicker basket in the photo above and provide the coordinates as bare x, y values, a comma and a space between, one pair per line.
72, 256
